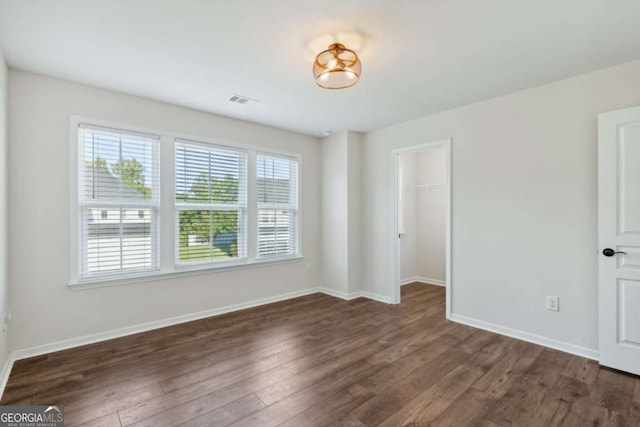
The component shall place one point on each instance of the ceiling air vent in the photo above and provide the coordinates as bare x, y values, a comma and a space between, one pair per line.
244, 100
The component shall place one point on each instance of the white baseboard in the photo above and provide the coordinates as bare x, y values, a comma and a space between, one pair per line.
335, 293
40, 350
589, 353
148, 326
6, 371
117, 333
376, 297
357, 294
421, 279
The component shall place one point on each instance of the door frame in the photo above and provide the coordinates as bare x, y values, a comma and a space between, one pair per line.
395, 241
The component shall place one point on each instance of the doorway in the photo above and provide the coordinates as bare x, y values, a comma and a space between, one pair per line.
421, 238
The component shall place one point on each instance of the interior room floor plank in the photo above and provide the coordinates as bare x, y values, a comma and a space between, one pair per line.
321, 361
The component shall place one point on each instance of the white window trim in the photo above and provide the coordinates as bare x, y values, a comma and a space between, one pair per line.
287, 207
181, 206
182, 272
168, 267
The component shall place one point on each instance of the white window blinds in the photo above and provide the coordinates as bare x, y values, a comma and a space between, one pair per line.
211, 203
119, 177
277, 197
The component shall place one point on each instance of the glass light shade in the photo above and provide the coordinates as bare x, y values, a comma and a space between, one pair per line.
337, 67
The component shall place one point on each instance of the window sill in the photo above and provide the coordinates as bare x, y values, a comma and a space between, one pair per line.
181, 271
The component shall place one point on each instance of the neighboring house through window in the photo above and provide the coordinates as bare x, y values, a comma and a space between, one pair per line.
118, 177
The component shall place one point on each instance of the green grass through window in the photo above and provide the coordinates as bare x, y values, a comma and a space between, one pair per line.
201, 253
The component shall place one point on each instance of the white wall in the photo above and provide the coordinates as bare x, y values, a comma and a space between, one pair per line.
354, 144
524, 208
335, 212
341, 212
524, 202
4, 286
430, 214
408, 240
45, 309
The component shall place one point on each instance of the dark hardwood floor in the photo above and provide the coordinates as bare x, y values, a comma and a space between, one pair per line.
320, 361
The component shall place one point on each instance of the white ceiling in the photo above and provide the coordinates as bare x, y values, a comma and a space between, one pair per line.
418, 56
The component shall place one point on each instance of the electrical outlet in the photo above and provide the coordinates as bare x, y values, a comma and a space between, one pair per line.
553, 303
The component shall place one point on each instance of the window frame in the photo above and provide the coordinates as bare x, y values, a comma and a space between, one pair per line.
294, 209
241, 208
83, 206
168, 267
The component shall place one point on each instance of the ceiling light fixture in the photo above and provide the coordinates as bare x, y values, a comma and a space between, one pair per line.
337, 67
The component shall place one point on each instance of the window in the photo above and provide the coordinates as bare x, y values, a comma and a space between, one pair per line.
118, 177
211, 203
277, 195
227, 206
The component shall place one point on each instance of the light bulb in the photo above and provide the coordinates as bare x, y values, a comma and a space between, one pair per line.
350, 75
332, 64
324, 77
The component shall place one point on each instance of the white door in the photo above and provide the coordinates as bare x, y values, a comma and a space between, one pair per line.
619, 239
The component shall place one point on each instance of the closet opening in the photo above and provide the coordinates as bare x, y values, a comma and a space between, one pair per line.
422, 218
